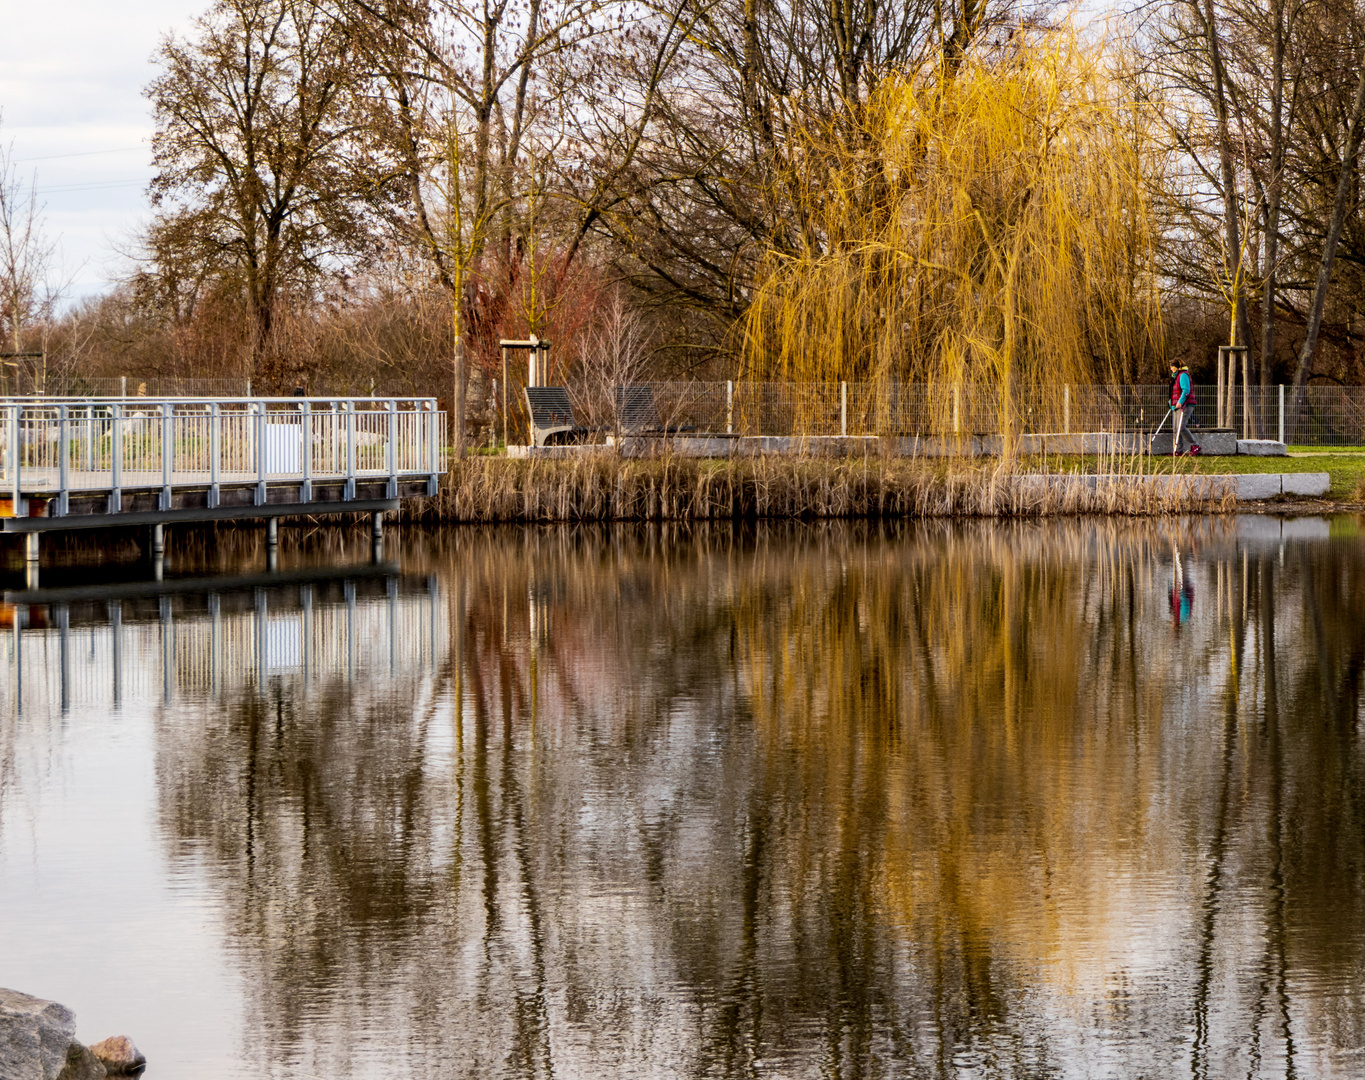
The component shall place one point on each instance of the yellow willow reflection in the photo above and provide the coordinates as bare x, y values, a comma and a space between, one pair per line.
994, 698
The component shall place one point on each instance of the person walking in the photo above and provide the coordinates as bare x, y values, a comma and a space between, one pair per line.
1182, 405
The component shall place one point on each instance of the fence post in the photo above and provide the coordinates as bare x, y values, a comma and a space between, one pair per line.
1066, 409
729, 406
843, 409
1248, 427
116, 461
1218, 380
1281, 412
957, 407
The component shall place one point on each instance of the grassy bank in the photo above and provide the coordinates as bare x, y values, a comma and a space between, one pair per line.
1346, 468
606, 487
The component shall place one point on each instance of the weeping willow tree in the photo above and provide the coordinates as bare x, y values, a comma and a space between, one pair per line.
984, 233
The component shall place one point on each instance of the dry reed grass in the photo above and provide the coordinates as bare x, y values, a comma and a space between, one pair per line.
605, 487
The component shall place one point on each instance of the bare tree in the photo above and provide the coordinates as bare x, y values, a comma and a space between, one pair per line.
616, 356
27, 295
263, 176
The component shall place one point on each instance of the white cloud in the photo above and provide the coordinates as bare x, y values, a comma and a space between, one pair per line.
71, 81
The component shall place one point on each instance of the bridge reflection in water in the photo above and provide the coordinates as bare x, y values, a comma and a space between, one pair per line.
215, 637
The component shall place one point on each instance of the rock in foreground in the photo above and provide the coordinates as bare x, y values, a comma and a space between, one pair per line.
38, 1041
118, 1055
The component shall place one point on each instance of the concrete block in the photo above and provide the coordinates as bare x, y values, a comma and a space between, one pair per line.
1213, 442
1258, 486
1216, 442
1311, 484
1060, 442
1261, 447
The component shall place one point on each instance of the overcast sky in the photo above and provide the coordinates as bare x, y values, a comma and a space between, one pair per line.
71, 79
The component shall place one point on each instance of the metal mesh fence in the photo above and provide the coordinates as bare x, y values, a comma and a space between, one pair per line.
55, 384
1327, 415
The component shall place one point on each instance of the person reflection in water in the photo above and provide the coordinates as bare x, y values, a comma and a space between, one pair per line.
1182, 594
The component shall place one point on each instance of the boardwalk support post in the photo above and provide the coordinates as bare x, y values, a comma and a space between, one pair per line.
31, 542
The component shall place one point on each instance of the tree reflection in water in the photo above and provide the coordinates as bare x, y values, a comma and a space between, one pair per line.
836, 800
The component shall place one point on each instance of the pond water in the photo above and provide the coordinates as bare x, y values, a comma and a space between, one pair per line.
1080, 798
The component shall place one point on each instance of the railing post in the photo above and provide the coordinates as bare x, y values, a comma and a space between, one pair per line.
306, 433
729, 406
260, 452
16, 455
843, 409
167, 452
433, 445
63, 463
349, 493
957, 408
1066, 409
215, 454
1281, 412
116, 461
391, 488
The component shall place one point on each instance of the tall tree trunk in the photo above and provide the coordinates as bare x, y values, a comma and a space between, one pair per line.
1271, 246
1232, 239
1329, 254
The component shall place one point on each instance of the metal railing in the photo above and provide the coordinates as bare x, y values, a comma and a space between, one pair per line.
69, 445
1327, 416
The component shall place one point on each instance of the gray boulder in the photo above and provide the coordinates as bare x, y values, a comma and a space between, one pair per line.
38, 1041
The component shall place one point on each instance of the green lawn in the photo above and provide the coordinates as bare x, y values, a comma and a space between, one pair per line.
1345, 465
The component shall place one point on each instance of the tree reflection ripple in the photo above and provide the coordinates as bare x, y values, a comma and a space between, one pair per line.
983, 800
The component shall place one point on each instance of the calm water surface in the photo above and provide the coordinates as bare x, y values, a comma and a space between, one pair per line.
984, 800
